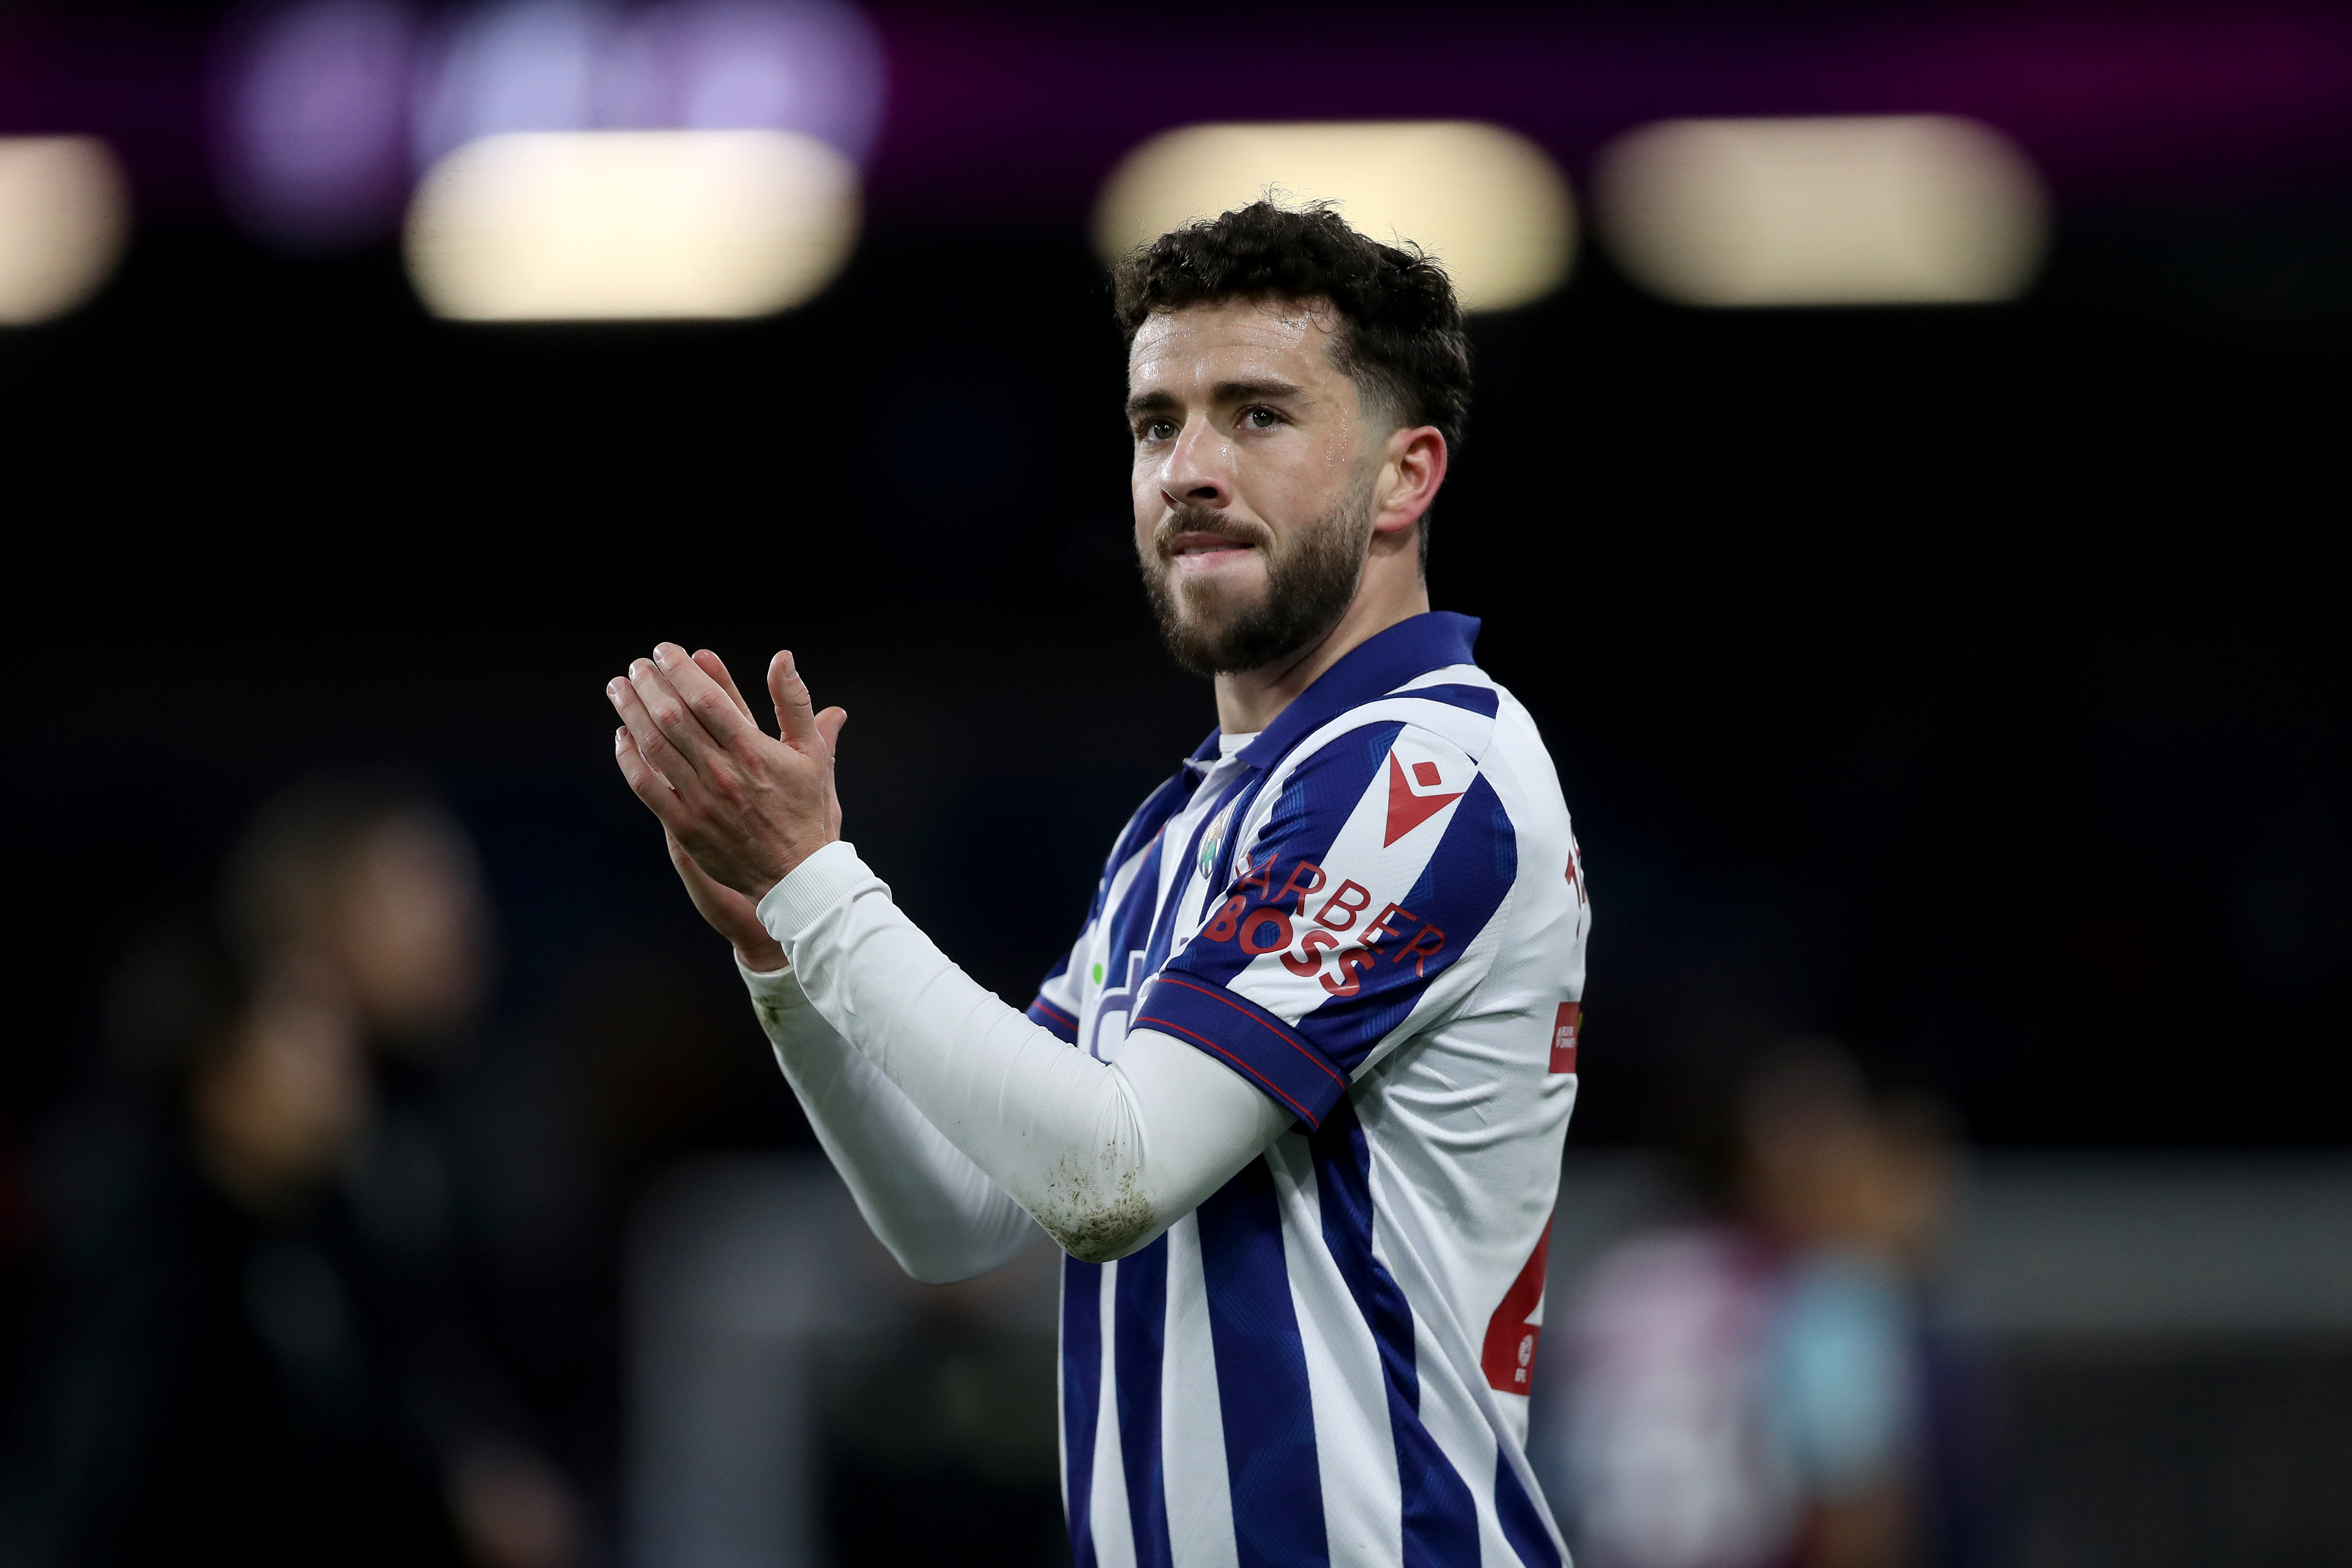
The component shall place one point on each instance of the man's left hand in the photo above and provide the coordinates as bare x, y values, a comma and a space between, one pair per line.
747, 808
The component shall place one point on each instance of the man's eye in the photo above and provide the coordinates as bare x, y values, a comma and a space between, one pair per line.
1261, 419
1159, 429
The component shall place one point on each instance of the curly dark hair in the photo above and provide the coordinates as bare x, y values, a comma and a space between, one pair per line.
1402, 344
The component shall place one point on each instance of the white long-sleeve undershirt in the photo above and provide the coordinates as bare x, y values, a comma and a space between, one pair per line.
936, 1212
1103, 1156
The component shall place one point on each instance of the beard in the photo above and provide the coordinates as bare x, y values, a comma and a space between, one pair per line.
1310, 579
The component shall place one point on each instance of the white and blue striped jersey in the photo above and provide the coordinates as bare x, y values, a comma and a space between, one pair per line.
1373, 911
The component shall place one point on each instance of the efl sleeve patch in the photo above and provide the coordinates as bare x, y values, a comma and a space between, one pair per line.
1563, 1036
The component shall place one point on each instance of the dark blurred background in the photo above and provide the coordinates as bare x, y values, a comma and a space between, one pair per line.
1965, 682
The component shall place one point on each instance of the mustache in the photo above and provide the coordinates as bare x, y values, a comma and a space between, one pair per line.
1191, 517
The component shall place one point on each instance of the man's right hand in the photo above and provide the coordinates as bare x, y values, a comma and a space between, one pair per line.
730, 913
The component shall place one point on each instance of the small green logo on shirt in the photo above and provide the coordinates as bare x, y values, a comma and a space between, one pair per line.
1213, 841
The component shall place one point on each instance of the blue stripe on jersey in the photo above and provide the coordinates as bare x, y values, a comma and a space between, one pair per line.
1306, 1067
1322, 791
1129, 937
1138, 1351
1153, 814
1247, 1038
1163, 927
1522, 1523
1057, 1022
1441, 1517
1483, 700
1372, 668
1081, 1398
1060, 1017
1458, 892
1261, 1389
1191, 992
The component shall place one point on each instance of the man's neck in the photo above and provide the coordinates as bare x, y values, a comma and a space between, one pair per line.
1250, 700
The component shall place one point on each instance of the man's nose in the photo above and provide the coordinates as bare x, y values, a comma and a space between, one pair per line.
1199, 471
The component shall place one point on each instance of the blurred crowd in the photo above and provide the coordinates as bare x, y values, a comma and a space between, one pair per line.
264, 1317
1773, 1381
258, 1328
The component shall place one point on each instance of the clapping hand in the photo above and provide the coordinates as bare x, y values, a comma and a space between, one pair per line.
740, 810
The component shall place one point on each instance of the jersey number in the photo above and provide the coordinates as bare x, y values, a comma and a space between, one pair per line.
1508, 1359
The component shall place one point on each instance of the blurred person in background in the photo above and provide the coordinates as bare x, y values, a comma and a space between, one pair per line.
1770, 1388
255, 1339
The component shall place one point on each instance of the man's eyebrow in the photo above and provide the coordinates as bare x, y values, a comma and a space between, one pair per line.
1158, 400
1251, 391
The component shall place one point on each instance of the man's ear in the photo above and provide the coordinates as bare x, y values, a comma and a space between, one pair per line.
1413, 464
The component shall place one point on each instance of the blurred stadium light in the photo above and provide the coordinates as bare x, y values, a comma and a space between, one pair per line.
621, 225
1487, 202
806, 66
310, 123
325, 112
1861, 210
65, 210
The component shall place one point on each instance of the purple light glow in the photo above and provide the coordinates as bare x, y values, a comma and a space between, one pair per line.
311, 123
729, 65
1018, 116
1014, 114
706, 65
325, 112
527, 66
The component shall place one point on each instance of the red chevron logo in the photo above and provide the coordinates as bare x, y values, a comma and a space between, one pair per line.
1407, 810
